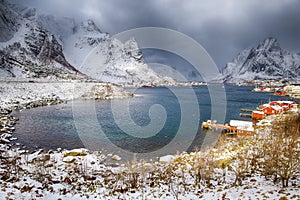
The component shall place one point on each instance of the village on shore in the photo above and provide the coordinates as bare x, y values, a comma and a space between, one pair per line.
265, 113
218, 173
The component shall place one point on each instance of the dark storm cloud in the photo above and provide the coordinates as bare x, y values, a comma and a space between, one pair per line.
224, 28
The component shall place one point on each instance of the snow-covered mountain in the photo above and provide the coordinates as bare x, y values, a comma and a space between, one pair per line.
117, 62
114, 61
77, 38
266, 61
27, 50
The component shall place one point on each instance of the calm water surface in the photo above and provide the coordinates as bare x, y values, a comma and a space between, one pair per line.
53, 126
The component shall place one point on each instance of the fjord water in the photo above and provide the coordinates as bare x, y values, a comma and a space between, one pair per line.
53, 126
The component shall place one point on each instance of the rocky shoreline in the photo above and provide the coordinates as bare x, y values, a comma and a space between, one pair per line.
27, 95
30, 175
81, 174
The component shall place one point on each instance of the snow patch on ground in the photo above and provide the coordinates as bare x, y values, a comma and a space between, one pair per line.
81, 174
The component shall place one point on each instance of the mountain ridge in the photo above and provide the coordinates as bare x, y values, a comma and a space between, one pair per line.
123, 62
265, 61
28, 50
71, 42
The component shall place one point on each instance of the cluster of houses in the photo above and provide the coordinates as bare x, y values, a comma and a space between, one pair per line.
246, 128
293, 91
273, 108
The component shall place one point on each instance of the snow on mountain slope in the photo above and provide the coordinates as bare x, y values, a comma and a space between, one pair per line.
266, 61
9, 23
31, 51
113, 61
123, 62
38, 42
78, 39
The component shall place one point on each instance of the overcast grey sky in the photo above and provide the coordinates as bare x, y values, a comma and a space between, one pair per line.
222, 27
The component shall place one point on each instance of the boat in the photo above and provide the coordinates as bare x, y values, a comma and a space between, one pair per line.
149, 86
280, 93
263, 89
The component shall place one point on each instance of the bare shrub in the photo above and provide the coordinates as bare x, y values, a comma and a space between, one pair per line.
282, 149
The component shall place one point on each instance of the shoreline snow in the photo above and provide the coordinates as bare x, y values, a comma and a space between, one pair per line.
81, 174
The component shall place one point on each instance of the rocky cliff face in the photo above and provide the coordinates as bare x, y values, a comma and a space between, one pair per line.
9, 23
45, 46
27, 50
115, 61
77, 38
266, 61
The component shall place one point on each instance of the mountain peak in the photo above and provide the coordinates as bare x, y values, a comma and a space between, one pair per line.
90, 26
48, 46
268, 44
266, 61
27, 50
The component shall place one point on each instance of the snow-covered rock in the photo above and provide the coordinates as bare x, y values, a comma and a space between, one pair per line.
266, 61
76, 152
32, 43
166, 159
28, 50
9, 25
115, 61
116, 158
122, 63
77, 38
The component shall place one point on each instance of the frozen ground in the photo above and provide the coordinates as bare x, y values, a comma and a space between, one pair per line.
80, 174
24, 92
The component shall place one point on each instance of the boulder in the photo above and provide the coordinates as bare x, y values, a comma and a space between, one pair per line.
116, 158
166, 159
69, 159
76, 152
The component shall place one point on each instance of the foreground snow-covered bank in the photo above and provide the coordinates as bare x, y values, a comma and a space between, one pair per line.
236, 169
80, 174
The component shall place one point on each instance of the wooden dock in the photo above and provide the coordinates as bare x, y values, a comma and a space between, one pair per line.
218, 127
245, 110
235, 127
245, 115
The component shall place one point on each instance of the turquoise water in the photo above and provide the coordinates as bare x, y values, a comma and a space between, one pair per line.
59, 126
